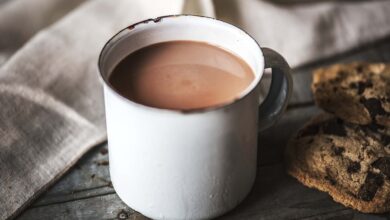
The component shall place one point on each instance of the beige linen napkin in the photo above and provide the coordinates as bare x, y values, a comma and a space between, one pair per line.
308, 32
51, 108
20, 19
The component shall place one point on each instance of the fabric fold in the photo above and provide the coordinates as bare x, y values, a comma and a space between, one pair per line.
307, 32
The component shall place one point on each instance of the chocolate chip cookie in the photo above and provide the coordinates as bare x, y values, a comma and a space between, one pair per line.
356, 92
351, 162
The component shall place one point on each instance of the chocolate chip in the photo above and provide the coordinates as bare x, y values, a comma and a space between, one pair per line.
337, 80
338, 151
374, 106
361, 86
342, 73
383, 99
309, 130
369, 83
370, 153
331, 180
353, 85
328, 140
353, 167
370, 186
329, 177
359, 69
385, 139
334, 127
311, 140
373, 127
383, 164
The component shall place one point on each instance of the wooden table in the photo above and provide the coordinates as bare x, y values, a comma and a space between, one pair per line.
86, 192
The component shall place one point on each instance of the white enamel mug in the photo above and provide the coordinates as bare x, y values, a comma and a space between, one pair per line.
196, 164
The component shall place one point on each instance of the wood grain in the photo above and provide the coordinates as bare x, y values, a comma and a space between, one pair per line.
275, 195
89, 178
107, 206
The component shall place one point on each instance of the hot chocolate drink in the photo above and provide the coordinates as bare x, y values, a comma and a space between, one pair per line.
181, 75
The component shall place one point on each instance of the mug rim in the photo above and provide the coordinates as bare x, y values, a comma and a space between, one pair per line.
181, 111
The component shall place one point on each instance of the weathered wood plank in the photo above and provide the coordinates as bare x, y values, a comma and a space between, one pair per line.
275, 195
385, 52
102, 207
347, 214
90, 177
61, 197
273, 141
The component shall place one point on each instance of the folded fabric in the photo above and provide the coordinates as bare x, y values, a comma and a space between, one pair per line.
308, 32
20, 19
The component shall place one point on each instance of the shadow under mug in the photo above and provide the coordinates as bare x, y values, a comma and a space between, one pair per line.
172, 164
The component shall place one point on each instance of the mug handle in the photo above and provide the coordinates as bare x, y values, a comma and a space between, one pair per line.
272, 108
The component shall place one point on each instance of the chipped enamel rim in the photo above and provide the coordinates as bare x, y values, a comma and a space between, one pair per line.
247, 92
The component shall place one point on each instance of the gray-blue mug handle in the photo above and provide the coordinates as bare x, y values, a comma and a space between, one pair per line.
273, 106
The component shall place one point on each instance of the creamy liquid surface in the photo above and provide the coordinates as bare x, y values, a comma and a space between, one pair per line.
181, 75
